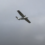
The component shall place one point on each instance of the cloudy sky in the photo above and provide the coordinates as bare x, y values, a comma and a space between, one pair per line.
15, 32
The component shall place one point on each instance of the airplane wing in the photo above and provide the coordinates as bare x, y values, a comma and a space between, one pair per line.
27, 20
20, 13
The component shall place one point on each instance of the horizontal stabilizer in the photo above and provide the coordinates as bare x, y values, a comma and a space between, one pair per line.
16, 17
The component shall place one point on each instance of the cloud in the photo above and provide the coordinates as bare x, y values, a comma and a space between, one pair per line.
13, 31
40, 38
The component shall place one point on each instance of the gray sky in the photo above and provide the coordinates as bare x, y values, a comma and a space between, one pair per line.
14, 32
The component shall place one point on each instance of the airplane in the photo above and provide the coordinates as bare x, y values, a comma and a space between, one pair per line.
23, 16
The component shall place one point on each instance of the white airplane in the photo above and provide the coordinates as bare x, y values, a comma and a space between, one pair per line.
23, 16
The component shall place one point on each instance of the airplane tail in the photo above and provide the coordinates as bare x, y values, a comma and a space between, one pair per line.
17, 18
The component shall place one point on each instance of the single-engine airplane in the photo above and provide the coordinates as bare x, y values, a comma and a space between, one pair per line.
23, 16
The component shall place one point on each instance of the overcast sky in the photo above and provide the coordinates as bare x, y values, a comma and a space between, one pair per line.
15, 32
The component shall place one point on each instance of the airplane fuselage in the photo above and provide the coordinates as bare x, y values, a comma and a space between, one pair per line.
22, 18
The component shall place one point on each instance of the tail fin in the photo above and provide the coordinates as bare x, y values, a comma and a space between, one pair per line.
16, 17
